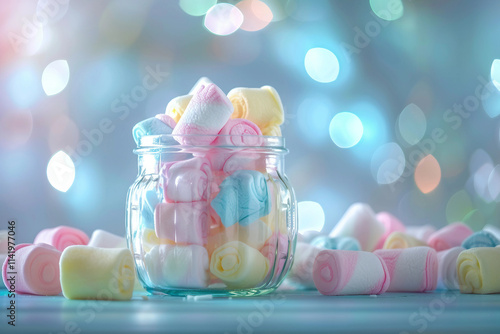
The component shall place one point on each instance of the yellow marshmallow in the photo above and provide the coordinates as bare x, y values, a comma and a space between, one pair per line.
149, 239
238, 265
176, 106
260, 105
479, 270
97, 273
402, 240
274, 130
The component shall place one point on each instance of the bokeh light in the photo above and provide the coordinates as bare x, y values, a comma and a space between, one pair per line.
389, 10
475, 220
427, 174
458, 207
24, 87
278, 8
52, 10
223, 19
481, 181
63, 133
313, 118
491, 100
311, 216
122, 25
495, 73
494, 183
257, 15
55, 77
196, 7
322, 65
388, 163
15, 128
412, 124
479, 158
346, 129
61, 171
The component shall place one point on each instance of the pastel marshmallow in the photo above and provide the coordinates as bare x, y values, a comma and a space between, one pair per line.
97, 273
201, 81
274, 130
480, 239
239, 132
104, 239
478, 270
177, 106
277, 250
344, 272
229, 161
61, 237
340, 243
359, 222
391, 224
302, 269
308, 236
447, 268
36, 270
401, 240
411, 269
148, 127
449, 236
422, 232
149, 239
495, 230
174, 266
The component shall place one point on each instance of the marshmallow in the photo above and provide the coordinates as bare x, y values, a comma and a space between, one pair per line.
243, 198
182, 222
187, 180
239, 132
341, 243
103, 239
492, 229
302, 268
172, 266
274, 130
276, 251
201, 81
344, 272
308, 236
177, 106
449, 236
238, 265
37, 268
359, 222
61, 237
391, 224
401, 240
149, 239
411, 269
148, 127
478, 270
421, 232
480, 239
230, 161
262, 106
167, 120
97, 273
205, 115
447, 268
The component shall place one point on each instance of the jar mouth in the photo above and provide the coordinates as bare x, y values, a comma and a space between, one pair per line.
178, 142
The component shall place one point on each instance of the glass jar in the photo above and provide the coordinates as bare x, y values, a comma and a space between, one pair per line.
216, 218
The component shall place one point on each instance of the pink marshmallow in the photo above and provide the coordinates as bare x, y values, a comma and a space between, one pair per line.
231, 162
449, 236
61, 237
302, 269
239, 132
343, 272
421, 232
187, 180
206, 114
37, 268
167, 120
391, 224
411, 269
182, 222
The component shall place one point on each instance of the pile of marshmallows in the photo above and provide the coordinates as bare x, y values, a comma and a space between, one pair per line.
371, 254
208, 223
64, 259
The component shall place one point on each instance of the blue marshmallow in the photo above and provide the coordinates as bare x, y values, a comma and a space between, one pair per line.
150, 126
243, 198
341, 243
480, 239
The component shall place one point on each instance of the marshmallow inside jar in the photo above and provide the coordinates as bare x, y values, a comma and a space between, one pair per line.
211, 210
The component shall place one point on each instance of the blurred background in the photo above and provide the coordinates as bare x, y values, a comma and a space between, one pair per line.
390, 102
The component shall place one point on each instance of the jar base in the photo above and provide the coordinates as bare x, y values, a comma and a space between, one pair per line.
213, 292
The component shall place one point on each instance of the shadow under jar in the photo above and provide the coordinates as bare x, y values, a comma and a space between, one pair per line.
211, 215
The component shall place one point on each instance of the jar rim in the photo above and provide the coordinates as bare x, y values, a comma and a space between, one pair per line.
169, 141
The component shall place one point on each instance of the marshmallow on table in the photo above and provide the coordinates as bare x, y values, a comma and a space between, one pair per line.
174, 266
391, 224
341, 243
495, 230
183, 222
104, 239
97, 273
344, 272
150, 126
149, 239
411, 269
479, 270
481, 239
262, 106
421, 232
449, 236
302, 268
61, 237
401, 240
243, 198
37, 268
359, 222
447, 268
238, 265
177, 106
205, 115
186, 180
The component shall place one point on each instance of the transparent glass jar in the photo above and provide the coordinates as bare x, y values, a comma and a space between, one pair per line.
216, 218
